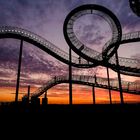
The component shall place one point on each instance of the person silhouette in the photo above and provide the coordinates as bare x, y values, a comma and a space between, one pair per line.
95, 79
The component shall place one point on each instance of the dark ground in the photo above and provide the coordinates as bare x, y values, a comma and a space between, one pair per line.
70, 109
72, 116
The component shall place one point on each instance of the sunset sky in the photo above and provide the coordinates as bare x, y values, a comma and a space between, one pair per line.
46, 18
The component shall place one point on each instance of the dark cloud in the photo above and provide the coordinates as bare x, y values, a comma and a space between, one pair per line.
4, 74
33, 65
127, 18
121, 9
10, 54
91, 34
31, 15
7, 83
35, 13
33, 59
34, 62
88, 38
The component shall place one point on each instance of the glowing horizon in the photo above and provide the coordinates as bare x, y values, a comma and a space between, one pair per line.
81, 95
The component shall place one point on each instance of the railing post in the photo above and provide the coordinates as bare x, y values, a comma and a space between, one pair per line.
19, 69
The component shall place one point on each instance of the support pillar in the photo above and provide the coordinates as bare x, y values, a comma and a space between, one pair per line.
70, 78
109, 86
19, 69
93, 94
119, 78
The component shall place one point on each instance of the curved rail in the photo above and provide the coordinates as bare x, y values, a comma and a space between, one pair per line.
129, 87
127, 66
87, 53
43, 44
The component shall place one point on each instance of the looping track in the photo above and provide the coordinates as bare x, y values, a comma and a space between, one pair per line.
128, 66
87, 57
80, 48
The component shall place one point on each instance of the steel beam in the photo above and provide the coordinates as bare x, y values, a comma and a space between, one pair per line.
19, 69
109, 86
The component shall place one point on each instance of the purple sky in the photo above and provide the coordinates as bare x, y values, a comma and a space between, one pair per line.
46, 17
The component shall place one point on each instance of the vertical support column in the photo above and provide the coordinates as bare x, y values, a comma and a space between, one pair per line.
109, 86
70, 78
19, 69
93, 94
119, 78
